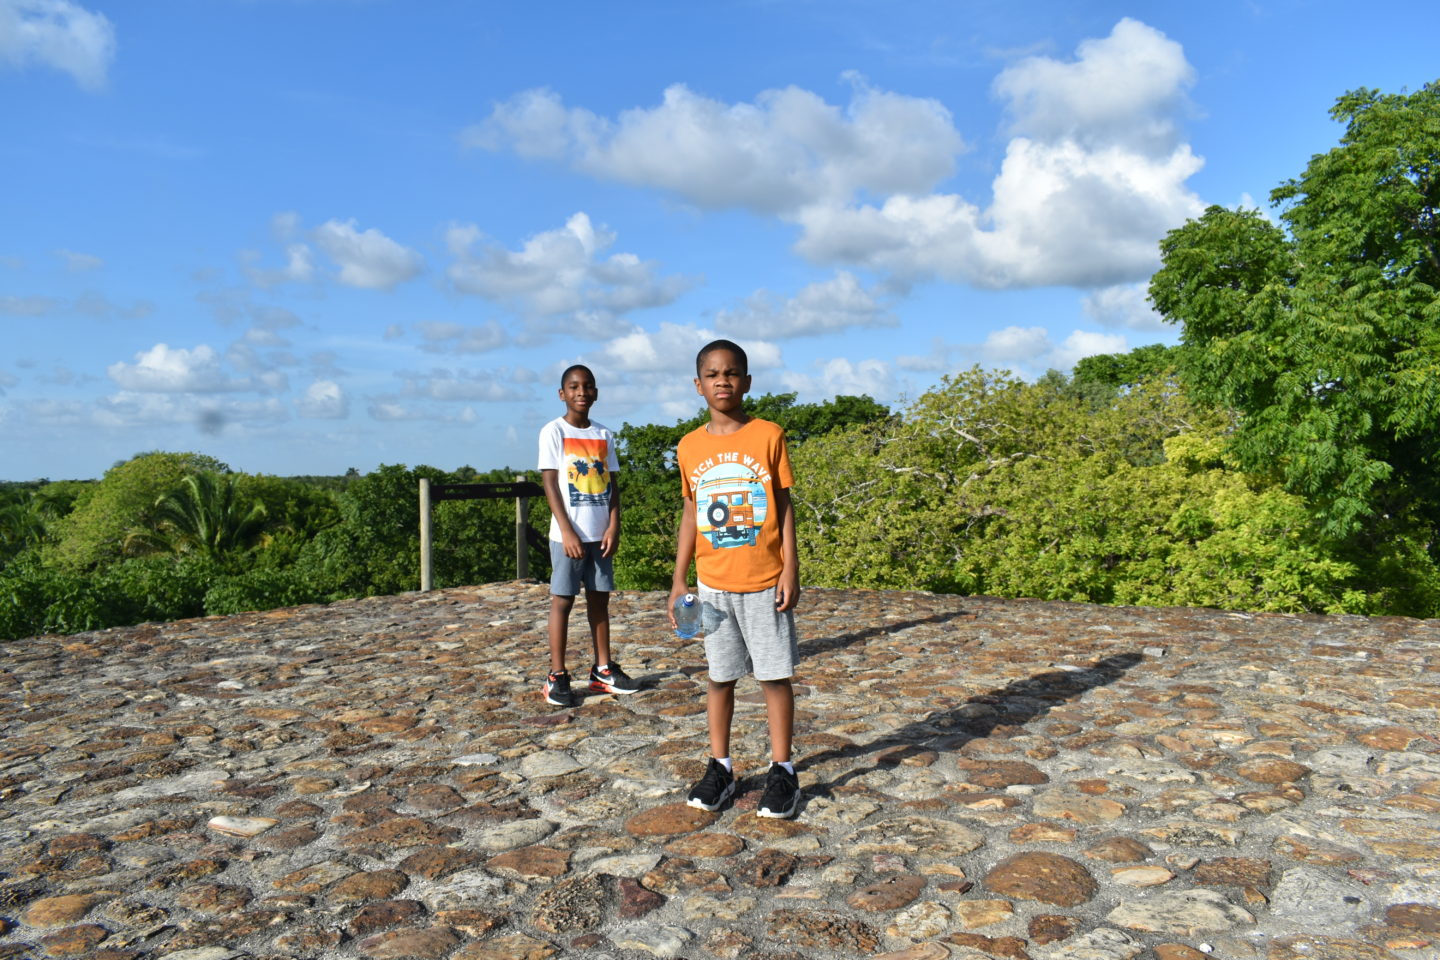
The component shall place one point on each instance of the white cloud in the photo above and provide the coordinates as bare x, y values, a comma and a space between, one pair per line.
1082, 198
1031, 348
787, 150
79, 262
841, 376
1126, 306
131, 409
163, 369
58, 34
324, 400
1022, 345
458, 338
367, 258
489, 386
1093, 177
820, 308
299, 267
1085, 343
673, 347
1121, 90
389, 409
560, 274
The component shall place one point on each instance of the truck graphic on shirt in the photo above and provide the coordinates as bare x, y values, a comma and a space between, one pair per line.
731, 511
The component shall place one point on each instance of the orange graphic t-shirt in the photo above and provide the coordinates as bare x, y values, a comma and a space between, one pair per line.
732, 480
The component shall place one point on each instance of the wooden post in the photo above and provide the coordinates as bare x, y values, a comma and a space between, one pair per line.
424, 534
522, 523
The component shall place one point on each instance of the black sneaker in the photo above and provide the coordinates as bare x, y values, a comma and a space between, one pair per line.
557, 689
782, 794
611, 679
714, 789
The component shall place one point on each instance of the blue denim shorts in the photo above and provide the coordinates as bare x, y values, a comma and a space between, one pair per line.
592, 571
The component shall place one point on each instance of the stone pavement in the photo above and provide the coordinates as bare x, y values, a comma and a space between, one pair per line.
985, 779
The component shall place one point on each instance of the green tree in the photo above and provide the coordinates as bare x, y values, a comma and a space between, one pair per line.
1326, 339
205, 515
990, 485
122, 503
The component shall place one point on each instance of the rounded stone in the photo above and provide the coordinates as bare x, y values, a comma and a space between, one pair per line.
1272, 770
1120, 850
706, 845
920, 921
1182, 912
1141, 875
1421, 917
1056, 805
917, 836
430, 943
1043, 877
892, 893
669, 820
57, 911
371, 885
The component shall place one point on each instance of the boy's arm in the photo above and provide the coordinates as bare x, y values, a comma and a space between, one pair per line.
550, 479
684, 553
787, 591
610, 541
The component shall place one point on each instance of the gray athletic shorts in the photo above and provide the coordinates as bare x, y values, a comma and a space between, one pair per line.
592, 571
745, 634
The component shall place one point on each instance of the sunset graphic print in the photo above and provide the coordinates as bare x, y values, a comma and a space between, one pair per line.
585, 472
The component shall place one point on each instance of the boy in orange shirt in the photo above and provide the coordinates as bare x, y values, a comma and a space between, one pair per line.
739, 528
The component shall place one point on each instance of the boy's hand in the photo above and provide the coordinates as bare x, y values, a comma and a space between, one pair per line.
787, 591
609, 543
574, 549
676, 592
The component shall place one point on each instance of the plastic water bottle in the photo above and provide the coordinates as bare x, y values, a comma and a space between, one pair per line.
687, 616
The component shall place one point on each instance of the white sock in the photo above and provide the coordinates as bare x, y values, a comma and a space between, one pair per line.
789, 766
725, 762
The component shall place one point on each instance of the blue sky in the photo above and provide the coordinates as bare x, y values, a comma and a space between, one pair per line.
307, 235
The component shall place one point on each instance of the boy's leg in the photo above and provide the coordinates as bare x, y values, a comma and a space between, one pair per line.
606, 676
597, 611
780, 712
717, 786
719, 711
559, 627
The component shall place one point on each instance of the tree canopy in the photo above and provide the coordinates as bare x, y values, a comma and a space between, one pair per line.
1323, 333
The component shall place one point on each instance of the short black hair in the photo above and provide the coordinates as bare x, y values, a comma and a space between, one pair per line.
571, 369
730, 345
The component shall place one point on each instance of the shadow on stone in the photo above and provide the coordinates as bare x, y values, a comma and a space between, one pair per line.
818, 645
1011, 706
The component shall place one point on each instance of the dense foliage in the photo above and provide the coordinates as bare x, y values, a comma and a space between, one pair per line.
76, 556
1323, 334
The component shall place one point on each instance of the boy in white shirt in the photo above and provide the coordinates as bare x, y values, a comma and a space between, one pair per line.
584, 533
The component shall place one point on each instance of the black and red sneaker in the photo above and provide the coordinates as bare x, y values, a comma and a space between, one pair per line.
557, 689
611, 679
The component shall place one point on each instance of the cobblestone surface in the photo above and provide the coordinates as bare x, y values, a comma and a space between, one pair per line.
984, 779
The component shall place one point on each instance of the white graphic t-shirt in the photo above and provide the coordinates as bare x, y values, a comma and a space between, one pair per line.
585, 460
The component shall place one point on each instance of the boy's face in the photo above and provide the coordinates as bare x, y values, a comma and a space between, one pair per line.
722, 382
579, 393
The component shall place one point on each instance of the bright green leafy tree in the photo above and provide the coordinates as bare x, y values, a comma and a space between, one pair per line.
205, 515
122, 503
1324, 336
